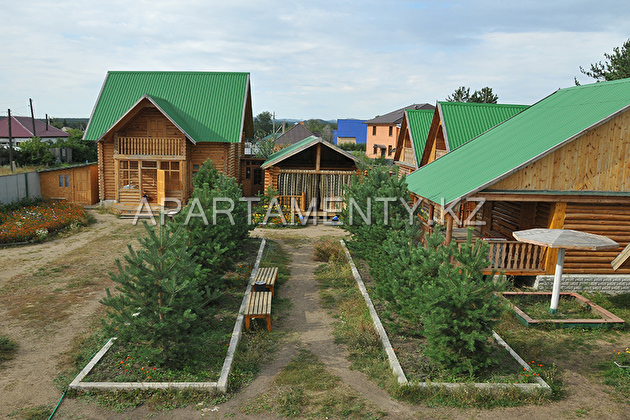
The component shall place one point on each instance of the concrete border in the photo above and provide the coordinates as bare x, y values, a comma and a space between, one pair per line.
221, 385
540, 384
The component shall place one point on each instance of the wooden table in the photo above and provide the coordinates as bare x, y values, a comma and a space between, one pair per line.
258, 306
269, 275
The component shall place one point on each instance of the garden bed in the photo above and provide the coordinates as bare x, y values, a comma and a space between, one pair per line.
112, 369
412, 368
574, 310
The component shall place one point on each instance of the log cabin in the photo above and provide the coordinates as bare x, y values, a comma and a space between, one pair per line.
563, 163
155, 129
311, 169
448, 127
412, 137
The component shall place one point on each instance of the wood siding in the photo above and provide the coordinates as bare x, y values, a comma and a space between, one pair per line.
596, 161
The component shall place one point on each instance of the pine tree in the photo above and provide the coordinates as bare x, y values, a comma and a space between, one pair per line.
460, 310
160, 313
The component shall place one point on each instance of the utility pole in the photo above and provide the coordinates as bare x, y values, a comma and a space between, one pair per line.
10, 144
32, 116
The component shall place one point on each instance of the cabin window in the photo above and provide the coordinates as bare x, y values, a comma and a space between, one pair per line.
64, 181
128, 175
257, 176
195, 169
373, 130
248, 172
389, 148
391, 131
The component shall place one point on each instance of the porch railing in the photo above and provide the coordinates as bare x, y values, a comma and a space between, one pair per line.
150, 146
300, 201
514, 258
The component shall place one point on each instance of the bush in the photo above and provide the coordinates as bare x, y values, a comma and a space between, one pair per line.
8, 348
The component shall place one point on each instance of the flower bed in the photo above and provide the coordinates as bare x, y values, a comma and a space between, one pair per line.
38, 221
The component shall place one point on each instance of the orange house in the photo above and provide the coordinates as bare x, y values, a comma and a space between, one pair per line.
382, 132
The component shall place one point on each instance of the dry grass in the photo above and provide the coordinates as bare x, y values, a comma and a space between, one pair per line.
47, 294
6, 170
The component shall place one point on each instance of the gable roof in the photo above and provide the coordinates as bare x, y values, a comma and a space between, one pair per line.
294, 134
208, 106
395, 117
300, 146
528, 136
418, 123
22, 127
463, 121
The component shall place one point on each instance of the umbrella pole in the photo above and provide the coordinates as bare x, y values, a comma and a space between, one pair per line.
555, 294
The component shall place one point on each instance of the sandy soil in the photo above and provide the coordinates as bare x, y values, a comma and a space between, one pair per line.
27, 380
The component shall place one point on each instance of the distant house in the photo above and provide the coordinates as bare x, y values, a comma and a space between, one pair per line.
22, 130
562, 163
350, 131
294, 134
155, 130
382, 132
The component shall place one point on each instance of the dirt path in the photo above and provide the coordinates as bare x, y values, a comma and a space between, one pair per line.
310, 328
27, 380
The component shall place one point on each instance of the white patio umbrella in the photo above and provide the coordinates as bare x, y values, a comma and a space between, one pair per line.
563, 239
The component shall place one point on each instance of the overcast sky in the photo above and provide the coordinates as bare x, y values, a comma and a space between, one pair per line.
307, 59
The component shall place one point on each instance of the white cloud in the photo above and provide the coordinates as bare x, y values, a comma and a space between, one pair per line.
307, 58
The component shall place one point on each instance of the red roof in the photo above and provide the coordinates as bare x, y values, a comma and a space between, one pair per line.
22, 127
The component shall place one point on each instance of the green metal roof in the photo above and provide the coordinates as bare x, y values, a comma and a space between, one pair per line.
208, 106
419, 123
463, 121
528, 136
301, 145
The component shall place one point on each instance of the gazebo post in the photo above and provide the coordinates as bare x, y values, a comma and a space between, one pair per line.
555, 294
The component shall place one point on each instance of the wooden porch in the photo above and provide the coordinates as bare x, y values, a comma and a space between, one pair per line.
513, 258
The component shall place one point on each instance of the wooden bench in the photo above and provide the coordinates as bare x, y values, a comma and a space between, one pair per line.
258, 306
269, 275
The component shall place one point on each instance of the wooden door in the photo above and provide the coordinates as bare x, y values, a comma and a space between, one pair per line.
81, 187
161, 186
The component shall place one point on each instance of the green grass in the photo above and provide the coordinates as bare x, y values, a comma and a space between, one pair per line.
8, 349
40, 412
537, 307
305, 389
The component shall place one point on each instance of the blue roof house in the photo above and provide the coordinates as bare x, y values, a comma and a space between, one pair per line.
350, 131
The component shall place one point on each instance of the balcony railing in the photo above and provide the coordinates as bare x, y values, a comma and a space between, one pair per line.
150, 146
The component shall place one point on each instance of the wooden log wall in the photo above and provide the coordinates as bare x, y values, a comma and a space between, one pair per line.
107, 171
612, 221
